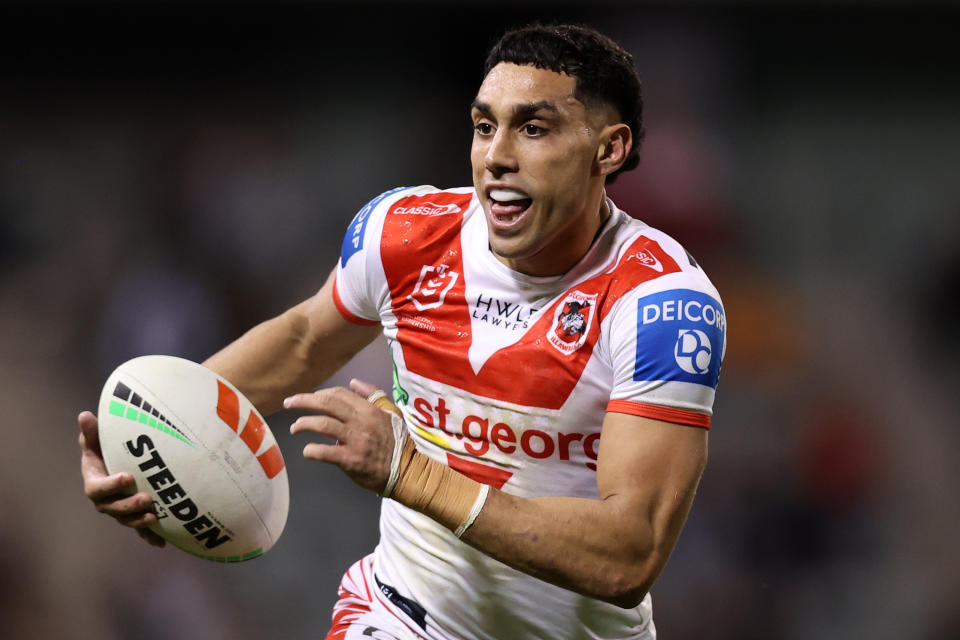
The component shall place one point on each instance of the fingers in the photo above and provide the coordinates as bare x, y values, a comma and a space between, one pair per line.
93, 469
133, 511
128, 507
89, 433
138, 521
109, 493
365, 389
324, 453
320, 424
337, 402
100, 486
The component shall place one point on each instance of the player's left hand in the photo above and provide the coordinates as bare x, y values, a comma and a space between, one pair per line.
364, 433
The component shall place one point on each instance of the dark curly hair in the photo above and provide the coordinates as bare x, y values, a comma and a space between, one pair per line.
604, 71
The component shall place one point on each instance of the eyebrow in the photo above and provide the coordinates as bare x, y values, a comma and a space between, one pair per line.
519, 111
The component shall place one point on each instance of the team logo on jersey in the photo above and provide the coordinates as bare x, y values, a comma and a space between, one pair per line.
572, 321
647, 259
429, 209
432, 287
680, 337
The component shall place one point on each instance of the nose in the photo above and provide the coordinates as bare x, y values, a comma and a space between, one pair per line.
501, 157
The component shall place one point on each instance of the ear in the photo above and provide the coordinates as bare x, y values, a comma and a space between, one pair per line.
615, 143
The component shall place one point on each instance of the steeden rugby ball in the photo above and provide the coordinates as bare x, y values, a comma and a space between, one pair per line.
201, 450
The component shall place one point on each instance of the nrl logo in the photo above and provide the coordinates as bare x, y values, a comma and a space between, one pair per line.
432, 287
572, 321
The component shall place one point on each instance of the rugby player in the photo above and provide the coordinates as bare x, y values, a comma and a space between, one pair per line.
555, 368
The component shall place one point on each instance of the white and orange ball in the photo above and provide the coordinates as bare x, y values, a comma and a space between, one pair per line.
201, 450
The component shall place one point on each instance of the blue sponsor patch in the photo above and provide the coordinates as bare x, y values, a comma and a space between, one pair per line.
680, 337
353, 239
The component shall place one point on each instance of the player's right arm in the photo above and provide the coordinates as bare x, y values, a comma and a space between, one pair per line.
295, 351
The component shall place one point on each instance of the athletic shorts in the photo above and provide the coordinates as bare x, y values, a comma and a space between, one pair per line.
368, 609
362, 612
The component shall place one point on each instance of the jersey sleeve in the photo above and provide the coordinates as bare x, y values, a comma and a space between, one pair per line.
360, 288
667, 342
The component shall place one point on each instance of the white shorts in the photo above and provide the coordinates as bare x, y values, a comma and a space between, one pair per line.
368, 609
362, 613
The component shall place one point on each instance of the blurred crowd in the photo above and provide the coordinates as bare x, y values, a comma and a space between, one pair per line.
161, 196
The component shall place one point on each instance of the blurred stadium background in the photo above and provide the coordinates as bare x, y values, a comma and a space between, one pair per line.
171, 173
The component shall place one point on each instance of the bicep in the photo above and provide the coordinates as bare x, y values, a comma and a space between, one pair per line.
650, 469
331, 338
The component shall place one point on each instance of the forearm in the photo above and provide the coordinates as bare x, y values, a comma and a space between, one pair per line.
610, 548
269, 361
593, 547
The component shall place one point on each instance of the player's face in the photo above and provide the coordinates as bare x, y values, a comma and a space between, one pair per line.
534, 156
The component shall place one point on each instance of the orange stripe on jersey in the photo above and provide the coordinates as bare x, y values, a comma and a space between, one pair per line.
228, 406
253, 431
428, 296
656, 412
271, 461
338, 303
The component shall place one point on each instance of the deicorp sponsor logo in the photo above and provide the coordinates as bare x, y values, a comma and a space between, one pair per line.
680, 337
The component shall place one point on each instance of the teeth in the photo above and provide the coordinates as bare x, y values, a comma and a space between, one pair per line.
507, 195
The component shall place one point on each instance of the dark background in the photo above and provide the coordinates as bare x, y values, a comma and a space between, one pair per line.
172, 173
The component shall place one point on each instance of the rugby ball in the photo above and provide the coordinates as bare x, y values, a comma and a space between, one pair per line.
201, 450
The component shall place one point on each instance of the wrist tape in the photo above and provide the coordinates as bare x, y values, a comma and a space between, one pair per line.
400, 438
425, 485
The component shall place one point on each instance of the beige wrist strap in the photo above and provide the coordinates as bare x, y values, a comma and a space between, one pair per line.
427, 486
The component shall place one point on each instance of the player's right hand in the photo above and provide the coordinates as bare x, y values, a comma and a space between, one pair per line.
111, 494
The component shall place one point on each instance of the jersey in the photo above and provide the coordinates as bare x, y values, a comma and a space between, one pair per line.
507, 377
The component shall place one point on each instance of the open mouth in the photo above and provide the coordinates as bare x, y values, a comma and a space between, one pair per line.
507, 206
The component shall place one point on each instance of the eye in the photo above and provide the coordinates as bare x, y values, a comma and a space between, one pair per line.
533, 130
483, 128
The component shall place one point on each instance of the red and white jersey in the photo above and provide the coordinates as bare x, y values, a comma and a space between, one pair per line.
506, 378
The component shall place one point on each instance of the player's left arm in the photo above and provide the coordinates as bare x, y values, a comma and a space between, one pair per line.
611, 548
615, 547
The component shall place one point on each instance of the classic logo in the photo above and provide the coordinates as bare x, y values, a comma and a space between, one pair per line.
572, 322
647, 259
693, 351
429, 209
432, 287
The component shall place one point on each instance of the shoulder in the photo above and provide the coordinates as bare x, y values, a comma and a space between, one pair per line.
411, 203
646, 260
424, 216
660, 286
666, 304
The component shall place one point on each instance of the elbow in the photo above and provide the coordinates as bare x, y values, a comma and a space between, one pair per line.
627, 598
626, 587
